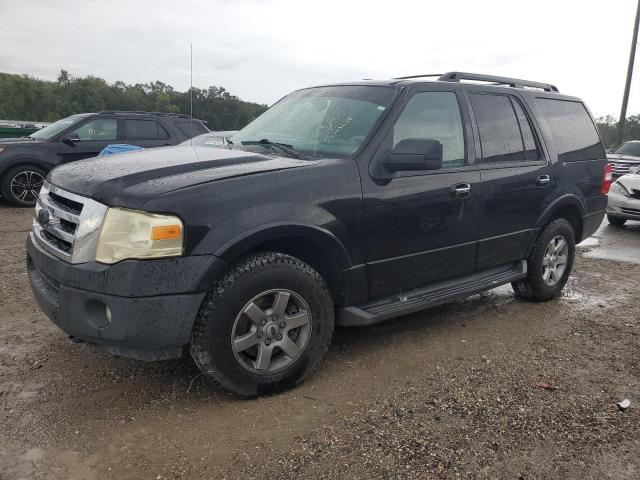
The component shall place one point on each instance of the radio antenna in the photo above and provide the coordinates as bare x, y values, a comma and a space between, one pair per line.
191, 91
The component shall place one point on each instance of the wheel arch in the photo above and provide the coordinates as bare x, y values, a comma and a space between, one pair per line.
567, 206
314, 245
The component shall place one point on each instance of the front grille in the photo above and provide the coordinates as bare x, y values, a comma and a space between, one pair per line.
66, 224
619, 169
630, 211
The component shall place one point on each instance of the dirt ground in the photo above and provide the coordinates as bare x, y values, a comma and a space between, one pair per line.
447, 393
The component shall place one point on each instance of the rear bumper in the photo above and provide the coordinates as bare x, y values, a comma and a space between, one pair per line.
138, 309
591, 223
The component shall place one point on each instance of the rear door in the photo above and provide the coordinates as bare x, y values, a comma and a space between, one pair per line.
418, 229
516, 176
146, 133
88, 139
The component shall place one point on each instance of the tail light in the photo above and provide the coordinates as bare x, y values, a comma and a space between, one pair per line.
607, 179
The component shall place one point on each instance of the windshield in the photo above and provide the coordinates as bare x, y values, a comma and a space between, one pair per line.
322, 121
55, 128
629, 148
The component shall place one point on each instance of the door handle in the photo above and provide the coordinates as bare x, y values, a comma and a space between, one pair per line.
461, 190
543, 180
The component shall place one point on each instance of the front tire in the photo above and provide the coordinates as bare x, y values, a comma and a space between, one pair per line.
264, 326
616, 221
21, 185
549, 264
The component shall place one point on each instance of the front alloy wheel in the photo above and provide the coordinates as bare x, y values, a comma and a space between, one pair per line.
271, 331
264, 325
21, 185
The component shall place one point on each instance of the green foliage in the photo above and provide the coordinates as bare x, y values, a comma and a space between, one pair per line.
608, 127
26, 98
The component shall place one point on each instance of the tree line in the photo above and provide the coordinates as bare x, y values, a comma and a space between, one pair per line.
610, 132
23, 97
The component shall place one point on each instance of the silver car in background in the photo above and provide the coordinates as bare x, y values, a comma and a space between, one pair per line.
624, 199
625, 158
211, 139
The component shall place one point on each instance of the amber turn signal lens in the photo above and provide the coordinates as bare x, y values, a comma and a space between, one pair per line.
166, 232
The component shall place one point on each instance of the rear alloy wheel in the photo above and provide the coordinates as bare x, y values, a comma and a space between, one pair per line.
21, 185
554, 261
549, 264
264, 325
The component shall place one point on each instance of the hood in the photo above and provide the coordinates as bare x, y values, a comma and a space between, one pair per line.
614, 157
130, 179
22, 141
631, 182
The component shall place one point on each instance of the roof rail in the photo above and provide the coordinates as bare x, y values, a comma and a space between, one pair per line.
512, 82
418, 76
138, 112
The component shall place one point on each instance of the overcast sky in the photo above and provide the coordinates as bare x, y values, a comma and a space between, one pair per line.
260, 50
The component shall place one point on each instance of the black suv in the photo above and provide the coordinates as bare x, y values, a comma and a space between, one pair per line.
342, 204
24, 162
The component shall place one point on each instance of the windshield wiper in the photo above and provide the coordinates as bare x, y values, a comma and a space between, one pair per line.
288, 149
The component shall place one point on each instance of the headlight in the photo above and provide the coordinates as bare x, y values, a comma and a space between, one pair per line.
619, 188
134, 234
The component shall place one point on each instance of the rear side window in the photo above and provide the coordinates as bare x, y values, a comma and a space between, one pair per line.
191, 129
145, 130
505, 132
572, 130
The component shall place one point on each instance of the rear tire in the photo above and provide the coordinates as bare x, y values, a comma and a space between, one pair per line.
616, 221
549, 264
21, 185
252, 335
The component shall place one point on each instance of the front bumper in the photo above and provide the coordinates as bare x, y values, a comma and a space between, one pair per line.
138, 309
623, 207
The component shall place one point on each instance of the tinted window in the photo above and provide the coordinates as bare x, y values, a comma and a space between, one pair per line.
500, 137
572, 130
434, 116
191, 129
145, 130
98, 129
528, 140
628, 148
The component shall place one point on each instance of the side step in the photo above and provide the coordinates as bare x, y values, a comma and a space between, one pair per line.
425, 297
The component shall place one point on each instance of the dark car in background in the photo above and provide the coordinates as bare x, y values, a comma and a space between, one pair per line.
25, 162
625, 158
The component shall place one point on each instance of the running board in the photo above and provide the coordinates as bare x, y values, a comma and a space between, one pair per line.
425, 297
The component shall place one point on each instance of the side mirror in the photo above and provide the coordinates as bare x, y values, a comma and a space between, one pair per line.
71, 139
414, 154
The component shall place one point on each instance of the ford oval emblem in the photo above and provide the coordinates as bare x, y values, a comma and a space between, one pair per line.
43, 216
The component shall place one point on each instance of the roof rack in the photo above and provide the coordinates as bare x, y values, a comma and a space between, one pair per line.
137, 112
511, 82
418, 76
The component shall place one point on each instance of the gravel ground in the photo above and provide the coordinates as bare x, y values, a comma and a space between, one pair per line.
452, 392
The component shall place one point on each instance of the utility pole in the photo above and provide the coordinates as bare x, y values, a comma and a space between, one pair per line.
627, 85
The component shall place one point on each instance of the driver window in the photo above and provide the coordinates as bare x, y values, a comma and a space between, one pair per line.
434, 116
98, 129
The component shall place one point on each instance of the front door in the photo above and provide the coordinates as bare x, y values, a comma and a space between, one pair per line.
517, 180
421, 226
88, 139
